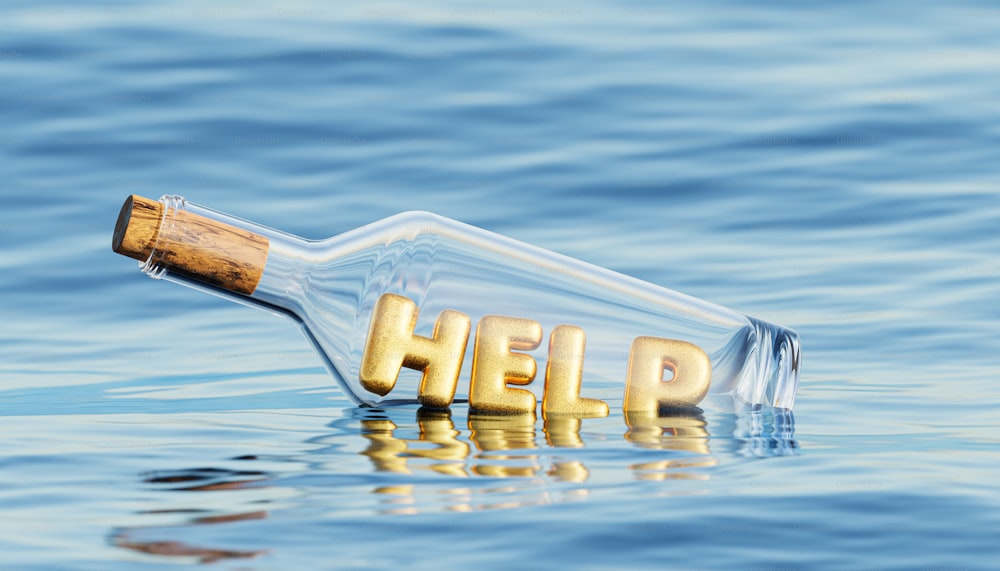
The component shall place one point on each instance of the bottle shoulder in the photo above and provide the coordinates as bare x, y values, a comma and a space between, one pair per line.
412, 223
420, 217
405, 226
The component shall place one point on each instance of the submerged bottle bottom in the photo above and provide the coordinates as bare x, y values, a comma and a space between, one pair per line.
770, 373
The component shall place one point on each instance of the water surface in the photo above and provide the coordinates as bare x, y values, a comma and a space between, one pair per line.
831, 169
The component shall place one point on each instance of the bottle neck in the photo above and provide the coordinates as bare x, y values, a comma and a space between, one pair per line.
283, 283
207, 250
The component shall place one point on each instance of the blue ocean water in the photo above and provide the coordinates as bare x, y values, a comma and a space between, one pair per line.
831, 169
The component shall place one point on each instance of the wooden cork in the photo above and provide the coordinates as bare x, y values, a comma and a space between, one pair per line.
207, 250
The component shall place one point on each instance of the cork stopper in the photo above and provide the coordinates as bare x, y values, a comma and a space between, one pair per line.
210, 251
137, 227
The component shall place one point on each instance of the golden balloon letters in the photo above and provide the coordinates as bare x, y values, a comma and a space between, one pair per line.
391, 345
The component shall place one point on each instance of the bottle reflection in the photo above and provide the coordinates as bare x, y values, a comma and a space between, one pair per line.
193, 480
126, 538
469, 463
207, 479
762, 434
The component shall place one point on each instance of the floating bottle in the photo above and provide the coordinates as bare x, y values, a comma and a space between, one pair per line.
421, 308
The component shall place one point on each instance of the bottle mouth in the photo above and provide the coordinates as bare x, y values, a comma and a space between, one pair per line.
171, 235
154, 265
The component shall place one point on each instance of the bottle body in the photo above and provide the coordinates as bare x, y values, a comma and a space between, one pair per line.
439, 267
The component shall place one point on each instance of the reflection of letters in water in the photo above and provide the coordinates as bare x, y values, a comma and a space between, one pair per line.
391, 345
540, 461
535, 467
505, 446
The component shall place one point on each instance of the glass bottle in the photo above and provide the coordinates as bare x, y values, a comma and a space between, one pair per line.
421, 308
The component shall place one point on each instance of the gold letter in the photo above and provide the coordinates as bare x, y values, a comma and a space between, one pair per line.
645, 390
391, 345
563, 376
493, 365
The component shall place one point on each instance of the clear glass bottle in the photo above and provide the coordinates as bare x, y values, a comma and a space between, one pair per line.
337, 290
